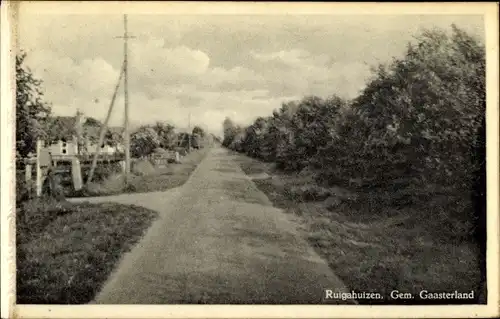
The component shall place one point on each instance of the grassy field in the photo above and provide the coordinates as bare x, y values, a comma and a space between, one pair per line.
66, 251
148, 178
390, 250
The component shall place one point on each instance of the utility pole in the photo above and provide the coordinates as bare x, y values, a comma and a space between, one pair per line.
126, 136
125, 73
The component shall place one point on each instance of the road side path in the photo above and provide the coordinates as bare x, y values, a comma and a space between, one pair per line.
218, 240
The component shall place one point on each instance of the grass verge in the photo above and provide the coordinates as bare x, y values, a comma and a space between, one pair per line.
66, 251
159, 179
383, 252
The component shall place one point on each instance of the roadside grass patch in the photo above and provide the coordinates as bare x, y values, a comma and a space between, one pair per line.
148, 179
66, 251
253, 167
371, 243
241, 190
143, 167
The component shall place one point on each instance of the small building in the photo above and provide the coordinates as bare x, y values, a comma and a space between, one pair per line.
76, 137
63, 147
70, 148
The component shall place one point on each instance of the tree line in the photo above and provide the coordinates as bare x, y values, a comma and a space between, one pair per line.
418, 126
147, 138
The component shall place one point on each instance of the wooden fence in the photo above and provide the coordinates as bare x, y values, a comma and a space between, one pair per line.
162, 160
34, 170
72, 169
107, 158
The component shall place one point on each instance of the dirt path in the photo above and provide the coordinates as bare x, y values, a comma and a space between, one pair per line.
218, 240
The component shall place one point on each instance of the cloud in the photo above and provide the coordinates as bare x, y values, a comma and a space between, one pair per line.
291, 57
308, 74
153, 66
231, 79
67, 82
102, 75
175, 61
243, 107
212, 66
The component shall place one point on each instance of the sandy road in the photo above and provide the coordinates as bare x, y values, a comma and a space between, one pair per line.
218, 240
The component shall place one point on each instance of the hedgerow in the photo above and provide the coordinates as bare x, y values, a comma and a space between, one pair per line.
416, 131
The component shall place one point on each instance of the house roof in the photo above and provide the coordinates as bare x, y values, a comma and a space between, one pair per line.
116, 129
63, 127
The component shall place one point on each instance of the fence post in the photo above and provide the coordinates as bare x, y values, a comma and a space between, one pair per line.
38, 169
28, 173
122, 164
76, 172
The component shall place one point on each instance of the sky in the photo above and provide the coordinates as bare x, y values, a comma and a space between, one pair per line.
209, 67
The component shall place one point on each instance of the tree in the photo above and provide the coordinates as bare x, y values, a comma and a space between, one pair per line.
113, 138
32, 111
144, 141
427, 106
166, 134
237, 141
417, 120
253, 140
196, 141
183, 139
59, 128
284, 134
229, 130
199, 131
311, 124
234, 135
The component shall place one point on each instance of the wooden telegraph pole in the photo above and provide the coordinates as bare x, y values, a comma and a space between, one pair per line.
126, 136
127, 129
124, 73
